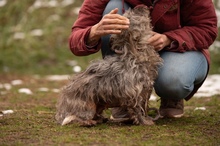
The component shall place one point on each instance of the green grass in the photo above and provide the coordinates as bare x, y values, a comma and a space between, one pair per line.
33, 123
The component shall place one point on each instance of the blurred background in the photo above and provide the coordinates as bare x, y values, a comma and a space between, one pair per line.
34, 38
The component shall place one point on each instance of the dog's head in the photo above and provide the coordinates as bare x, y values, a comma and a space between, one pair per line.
135, 37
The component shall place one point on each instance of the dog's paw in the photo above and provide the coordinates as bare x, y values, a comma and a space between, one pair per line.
75, 119
68, 120
143, 121
146, 121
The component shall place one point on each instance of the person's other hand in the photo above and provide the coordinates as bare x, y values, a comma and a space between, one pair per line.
158, 41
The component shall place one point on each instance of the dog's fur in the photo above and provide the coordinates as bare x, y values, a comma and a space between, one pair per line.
124, 79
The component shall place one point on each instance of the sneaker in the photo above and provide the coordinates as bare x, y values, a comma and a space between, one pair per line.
171, 108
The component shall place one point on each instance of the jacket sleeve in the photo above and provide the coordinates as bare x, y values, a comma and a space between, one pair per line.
89, 15
199, 26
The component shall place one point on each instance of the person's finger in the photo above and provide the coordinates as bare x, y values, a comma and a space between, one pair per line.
152, 33
114, 16
115, 19
114, 11
113, 31
115, 26
152, 40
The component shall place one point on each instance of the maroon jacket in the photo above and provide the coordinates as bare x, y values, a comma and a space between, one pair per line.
191, 23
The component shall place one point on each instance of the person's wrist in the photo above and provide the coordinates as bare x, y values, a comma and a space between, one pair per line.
168, 41
92, 38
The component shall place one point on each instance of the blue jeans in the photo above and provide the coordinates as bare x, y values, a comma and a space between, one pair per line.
179, 73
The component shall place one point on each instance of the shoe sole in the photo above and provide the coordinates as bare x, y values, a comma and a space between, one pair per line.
172, 116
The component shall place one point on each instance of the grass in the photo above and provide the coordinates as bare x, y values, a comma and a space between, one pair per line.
32, 122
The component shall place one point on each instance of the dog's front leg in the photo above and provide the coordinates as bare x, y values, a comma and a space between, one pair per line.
139, 117
99, 118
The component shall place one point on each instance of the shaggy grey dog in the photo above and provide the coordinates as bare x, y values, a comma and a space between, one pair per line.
124, 79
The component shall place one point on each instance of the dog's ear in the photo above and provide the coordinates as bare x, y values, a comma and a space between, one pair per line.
111, 40
142, 8
114, 45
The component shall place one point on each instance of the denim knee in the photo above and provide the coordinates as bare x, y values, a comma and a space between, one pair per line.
173, 87
180, 73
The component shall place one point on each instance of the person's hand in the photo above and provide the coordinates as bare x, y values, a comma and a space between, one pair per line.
111, 23
158, 41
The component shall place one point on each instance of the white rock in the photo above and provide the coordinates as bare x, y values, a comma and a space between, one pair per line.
153, 97
77, 69
200, 108
57, 77
7, 112
16, 82
71, 62
76, 10
7, 86
55, 90
43, 89
65, 3
37, 32
19, 35
42, 4
25, 90
3, 3
210, 87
